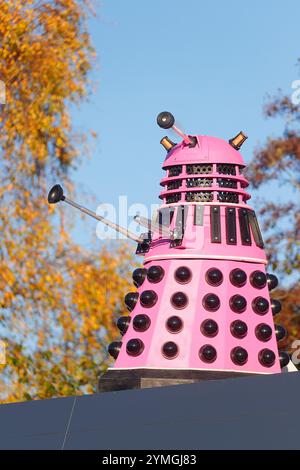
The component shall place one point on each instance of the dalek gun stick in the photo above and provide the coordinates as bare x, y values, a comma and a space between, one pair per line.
56, 194
152, 226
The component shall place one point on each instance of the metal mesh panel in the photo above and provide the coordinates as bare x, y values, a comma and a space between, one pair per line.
203, 196
173, 198
174, 184
175, 170
198, 182
226, 169
227, 183
225, 196
198, 168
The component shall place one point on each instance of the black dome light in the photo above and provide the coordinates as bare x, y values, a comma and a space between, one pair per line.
174, 324
211, 302
134, 347
114, 348
272, 281
123, 324
280, 331
238, 277
170, 350
266, 357
148, 298
214, 277
275, 306
260, 305
209, 328
131, 299
239, 356
141, 322
238, 329
179, 300
155, 274
208, 353
238, 303
284, 358
139, 276
263, 332
258, 279
183, 274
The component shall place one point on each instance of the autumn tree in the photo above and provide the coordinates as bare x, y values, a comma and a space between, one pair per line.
58, 302
276, 166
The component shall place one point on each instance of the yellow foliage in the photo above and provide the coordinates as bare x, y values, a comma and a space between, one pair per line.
58, 302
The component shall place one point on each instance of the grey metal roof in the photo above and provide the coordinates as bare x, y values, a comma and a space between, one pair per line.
259, 412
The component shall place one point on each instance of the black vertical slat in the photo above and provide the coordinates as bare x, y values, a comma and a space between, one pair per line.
230, 215
255, 229
215, 224
198, 215
244, 227
181, 216
165, 217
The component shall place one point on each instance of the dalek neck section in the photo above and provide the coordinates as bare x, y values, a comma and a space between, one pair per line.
205, 211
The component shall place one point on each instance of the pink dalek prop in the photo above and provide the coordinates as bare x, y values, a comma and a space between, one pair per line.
202, 308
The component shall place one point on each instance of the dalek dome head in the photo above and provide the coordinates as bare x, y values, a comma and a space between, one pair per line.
203, 149
202, 168
199, 148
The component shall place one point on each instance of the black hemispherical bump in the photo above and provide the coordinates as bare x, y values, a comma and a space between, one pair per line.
134, 347
284, 358
238, 329
260, 305
123, 324
209, 328
174, 324
263, 332
138, 276
266, 357
148, 298
238, 303
239, 356
211, 302
165, 119
170, 350
275, 306
214, 277
281, 332
238, 277
131, 299
258, 279
183, 274
155, 274
208, 353
114, 349
179, 300
141, 322
272, 281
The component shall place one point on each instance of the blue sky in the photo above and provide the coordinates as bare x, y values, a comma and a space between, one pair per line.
211, 64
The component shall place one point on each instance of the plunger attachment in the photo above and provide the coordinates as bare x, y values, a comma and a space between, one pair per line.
166, 120
56, 194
